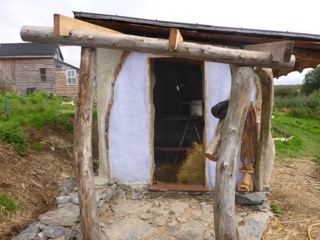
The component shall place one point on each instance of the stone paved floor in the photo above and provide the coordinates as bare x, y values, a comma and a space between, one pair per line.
128, 213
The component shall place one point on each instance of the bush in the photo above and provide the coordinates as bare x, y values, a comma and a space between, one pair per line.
302, 106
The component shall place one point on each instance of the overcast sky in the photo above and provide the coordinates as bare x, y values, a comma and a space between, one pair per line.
268, 15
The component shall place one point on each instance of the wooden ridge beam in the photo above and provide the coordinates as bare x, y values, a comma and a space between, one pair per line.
64, 25
203, 52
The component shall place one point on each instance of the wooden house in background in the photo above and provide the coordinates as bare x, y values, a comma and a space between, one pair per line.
37, 67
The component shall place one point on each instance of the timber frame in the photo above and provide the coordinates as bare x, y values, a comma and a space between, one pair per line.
252, 55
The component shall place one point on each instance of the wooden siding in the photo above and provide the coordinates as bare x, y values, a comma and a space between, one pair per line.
62, 87
27, 75
7, 72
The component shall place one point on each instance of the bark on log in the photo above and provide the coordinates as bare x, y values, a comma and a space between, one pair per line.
83, 146
224, 208
126, 42
266, 81
213, 149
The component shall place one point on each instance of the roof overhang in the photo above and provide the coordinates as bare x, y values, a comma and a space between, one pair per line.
306, 46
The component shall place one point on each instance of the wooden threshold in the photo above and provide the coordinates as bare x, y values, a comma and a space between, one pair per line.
178, 187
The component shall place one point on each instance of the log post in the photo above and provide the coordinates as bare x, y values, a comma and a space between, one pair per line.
266, 82
190, 50
224, 208
83, 148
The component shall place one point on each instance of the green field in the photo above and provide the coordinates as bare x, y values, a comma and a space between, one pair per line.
299, 116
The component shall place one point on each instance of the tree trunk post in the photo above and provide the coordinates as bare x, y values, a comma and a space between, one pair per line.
266, 81
82, 146
224, 207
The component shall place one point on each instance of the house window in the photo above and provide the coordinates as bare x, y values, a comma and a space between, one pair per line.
71, 77
43, 74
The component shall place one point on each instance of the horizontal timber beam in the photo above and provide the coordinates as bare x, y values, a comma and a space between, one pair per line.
126, 42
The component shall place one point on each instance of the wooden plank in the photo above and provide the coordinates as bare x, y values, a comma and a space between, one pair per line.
174, 39
280, 51
190, 50
82, 143
63, 25
178, 187
224, 207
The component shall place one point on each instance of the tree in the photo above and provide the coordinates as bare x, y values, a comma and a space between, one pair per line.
311, 81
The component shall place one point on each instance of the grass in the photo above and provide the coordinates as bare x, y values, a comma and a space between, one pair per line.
305, 141
276, 208
38, 110
8, 205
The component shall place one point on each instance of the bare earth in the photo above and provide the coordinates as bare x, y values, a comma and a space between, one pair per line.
34, 180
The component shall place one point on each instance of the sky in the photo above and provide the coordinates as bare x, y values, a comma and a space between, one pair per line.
251, 14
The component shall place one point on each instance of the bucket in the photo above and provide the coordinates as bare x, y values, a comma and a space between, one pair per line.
196, 108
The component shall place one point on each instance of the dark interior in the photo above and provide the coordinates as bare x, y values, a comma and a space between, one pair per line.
178, 81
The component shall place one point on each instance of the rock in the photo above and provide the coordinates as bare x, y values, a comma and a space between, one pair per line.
181, 219
100, 182
128, 229
207, 236
74, 233
29, 233
253, 226
146, 216
53, 231
136, 195
188, 231
66, 216
156, 203
62, 199
251, 198
74, 198
159, 221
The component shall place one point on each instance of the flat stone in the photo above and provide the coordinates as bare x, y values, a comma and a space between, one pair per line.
188, 231
128, 229
135, 195
66, 216
146, 216
53, 231
253, 226
251, 198
63, 199
160, 221
30, 233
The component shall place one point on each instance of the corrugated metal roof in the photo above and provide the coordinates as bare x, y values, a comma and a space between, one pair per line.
306, 47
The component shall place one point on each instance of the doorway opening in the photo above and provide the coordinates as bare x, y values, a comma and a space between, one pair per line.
178, 102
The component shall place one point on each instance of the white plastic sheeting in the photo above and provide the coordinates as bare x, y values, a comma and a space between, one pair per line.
218, 77
129, 127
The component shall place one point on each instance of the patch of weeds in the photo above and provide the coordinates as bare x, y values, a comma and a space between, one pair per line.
9, 204
11, 133
38, 146
276, 208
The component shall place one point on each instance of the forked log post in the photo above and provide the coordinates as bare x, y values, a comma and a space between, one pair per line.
224, 208
83, 148
266, 82
127, 42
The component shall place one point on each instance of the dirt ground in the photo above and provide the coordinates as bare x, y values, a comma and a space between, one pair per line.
296, 188
34, 180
